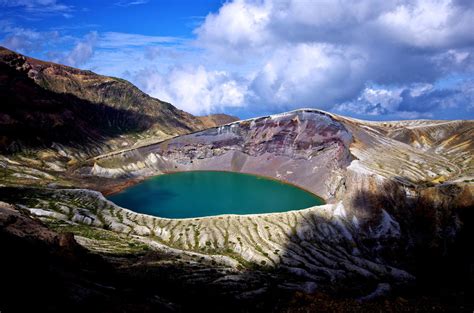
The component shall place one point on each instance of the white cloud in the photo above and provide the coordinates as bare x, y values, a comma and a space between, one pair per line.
373, 101
40, 7
127, 3
324, 53
429, 23
26, 40
82, 51
193, 89
114, 40
421, 23
239, 24
364, 57
308, 75
413, 101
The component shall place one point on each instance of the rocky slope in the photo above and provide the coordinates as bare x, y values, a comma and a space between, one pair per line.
214, 120
304, 148
398, 217
399, 202
45, 98
53, 116
134, 278
378, 188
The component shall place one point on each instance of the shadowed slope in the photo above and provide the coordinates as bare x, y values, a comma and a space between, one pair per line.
53, 117
44, 102
34, 117
42, 99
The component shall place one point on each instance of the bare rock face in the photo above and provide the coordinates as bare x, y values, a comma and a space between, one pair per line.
306, 148
388, 197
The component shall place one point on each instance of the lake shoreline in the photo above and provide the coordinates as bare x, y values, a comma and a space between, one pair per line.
211, 193
119, 187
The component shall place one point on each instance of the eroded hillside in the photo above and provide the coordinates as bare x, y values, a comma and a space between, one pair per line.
391, 203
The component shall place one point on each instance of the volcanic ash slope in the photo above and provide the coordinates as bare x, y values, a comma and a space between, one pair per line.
392, 188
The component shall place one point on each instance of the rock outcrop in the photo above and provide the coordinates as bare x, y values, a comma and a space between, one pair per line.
307, 148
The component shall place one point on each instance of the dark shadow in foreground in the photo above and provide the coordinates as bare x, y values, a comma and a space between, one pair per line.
47, 271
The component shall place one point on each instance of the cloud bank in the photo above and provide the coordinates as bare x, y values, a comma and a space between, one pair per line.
368, 58
327, 54
365, 57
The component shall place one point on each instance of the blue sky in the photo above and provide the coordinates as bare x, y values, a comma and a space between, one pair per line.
370, 59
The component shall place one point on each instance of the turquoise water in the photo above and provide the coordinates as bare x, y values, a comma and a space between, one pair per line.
196, 194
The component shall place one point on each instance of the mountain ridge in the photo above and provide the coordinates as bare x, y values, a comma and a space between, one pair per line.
54, 116
67, 84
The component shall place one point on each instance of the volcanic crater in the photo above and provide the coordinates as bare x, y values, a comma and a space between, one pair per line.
398, 211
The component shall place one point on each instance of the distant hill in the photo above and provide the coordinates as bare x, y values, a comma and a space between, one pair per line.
217, 119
